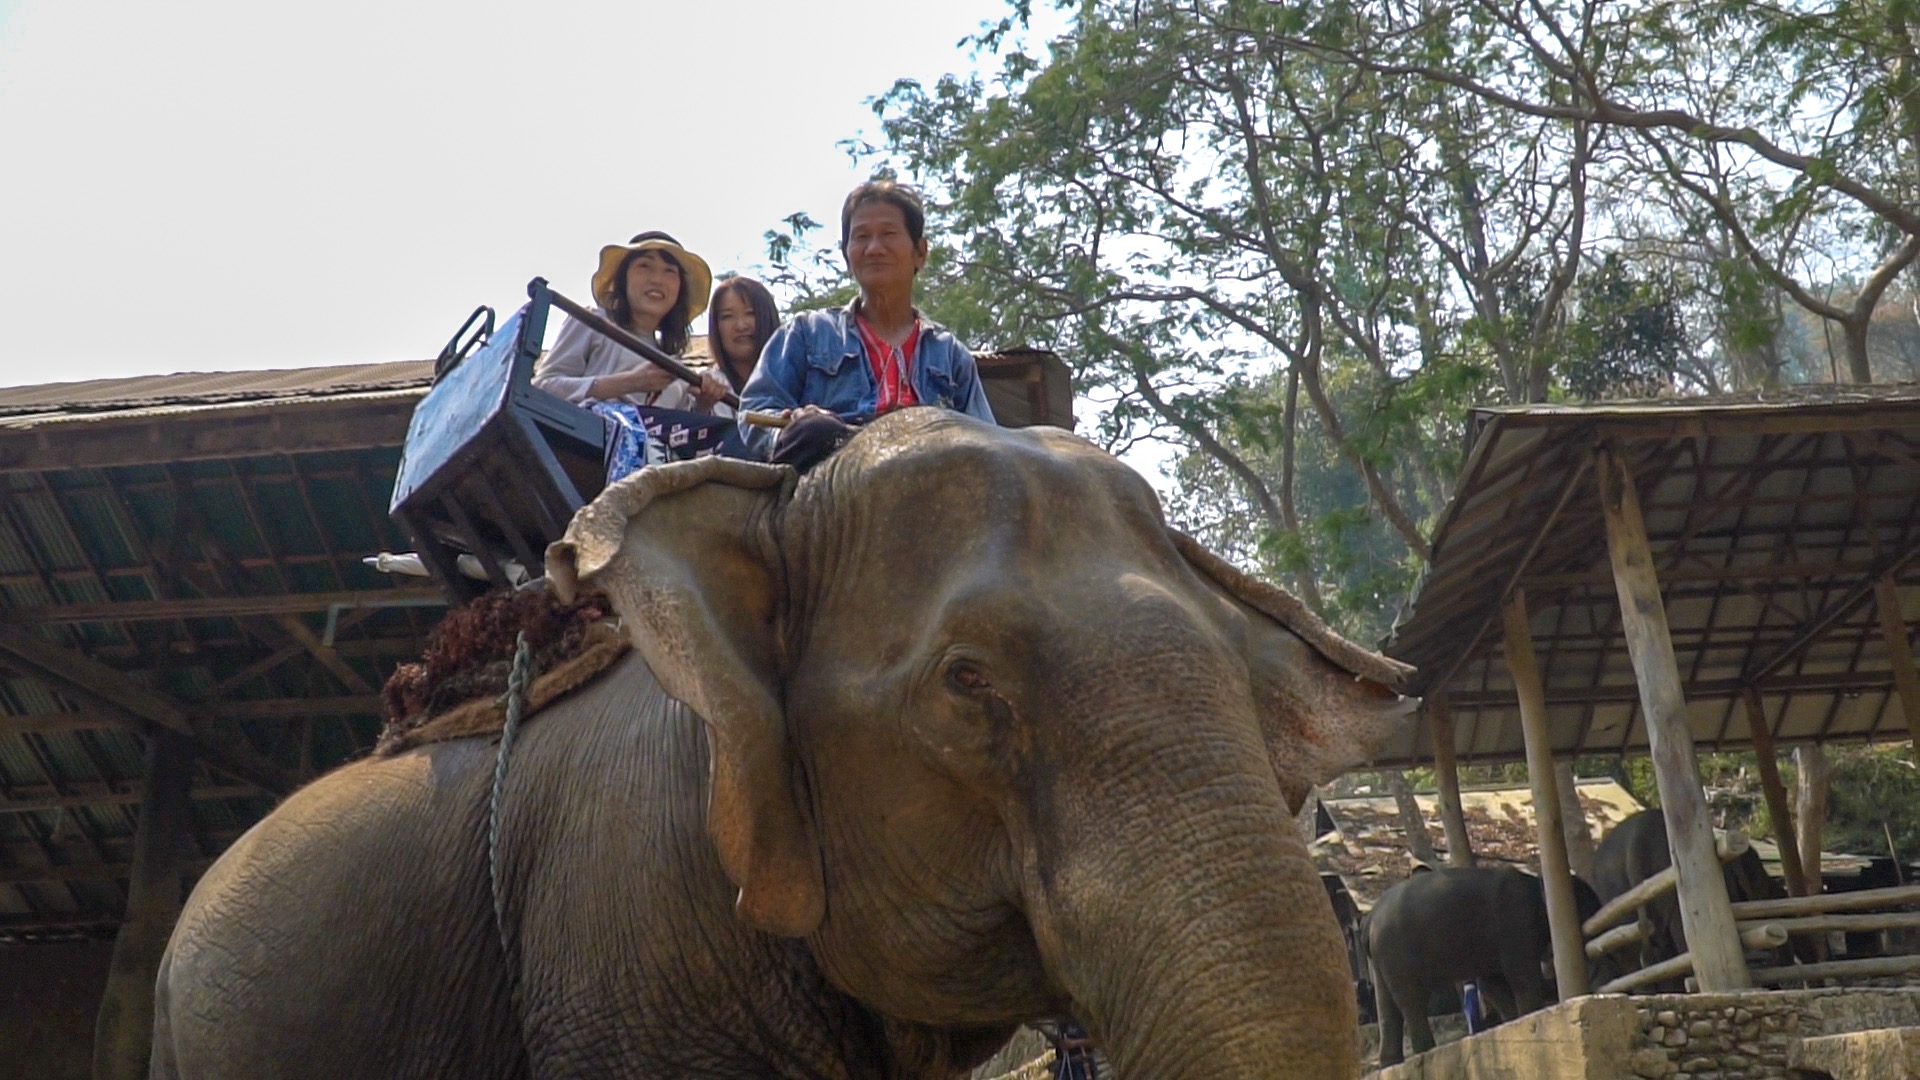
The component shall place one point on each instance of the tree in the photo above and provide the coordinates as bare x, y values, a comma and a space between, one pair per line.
1779, 120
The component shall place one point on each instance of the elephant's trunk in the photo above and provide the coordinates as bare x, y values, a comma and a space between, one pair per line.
1191, 927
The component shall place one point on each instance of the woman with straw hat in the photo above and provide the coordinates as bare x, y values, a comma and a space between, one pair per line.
653, 288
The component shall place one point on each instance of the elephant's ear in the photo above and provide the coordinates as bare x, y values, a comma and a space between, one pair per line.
1327, 704
686, 553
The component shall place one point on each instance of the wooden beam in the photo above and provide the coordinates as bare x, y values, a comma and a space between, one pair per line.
1705, 915
222, 607
39, 875
1765, 936
1563, 918
1824, 620
1810, 808
1776, 794
1472, 644
123, 1031
1859, 900
34, 800
85, 679
1792, 572
1705, 690
1893, 626
1683, 422
50, 723
1872, 967
1846, 924
301, 708
1446, 771
374, 420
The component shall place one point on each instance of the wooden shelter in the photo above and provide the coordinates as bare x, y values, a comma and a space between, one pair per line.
188, 631
1652, 576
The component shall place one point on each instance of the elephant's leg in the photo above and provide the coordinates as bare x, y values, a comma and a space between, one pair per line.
1414, 1005
1495, 991
1384, 1002
1526, 985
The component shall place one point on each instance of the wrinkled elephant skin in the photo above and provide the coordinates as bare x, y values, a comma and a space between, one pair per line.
969, 737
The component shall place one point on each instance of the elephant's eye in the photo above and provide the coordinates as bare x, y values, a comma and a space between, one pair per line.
966, 678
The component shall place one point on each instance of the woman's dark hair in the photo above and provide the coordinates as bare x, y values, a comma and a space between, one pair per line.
673, 326
766, 319
891, 193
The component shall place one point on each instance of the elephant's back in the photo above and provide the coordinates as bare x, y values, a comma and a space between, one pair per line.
1629, 853
339, 923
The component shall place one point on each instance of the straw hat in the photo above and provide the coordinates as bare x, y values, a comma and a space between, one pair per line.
696, 280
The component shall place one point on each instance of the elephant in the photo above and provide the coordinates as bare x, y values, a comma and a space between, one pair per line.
949, 734
1460, 924
1636, 849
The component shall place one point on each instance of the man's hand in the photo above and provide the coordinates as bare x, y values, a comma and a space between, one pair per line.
812, 434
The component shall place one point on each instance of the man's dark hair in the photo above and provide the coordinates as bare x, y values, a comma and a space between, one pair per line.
673, 326
891, 193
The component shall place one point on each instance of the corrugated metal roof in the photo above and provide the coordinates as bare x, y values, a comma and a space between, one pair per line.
207, 388
1769, 516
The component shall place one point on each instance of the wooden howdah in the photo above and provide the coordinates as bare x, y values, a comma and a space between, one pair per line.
494, 468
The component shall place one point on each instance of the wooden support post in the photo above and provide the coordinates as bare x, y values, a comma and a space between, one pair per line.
1893, 626
1705, 914
123, 1030
1446, 771
1810, 808
1412, 823
1776, 793
1579, 832
1563, 916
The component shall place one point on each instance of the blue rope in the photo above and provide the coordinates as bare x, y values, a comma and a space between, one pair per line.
516, 704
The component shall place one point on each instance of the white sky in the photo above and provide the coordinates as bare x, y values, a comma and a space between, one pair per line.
201, 185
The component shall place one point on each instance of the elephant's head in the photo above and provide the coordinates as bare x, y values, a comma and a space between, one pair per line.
999, 743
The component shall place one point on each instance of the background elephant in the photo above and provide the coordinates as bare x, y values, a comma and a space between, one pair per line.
1461, 924
1636, 849
969, 738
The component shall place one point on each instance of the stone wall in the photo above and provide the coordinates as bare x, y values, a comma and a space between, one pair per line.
1746, 1036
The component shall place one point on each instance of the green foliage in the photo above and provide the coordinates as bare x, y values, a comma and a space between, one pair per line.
1398, 213
1875, 793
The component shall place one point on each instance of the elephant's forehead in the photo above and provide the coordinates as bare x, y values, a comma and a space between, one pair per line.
945, 466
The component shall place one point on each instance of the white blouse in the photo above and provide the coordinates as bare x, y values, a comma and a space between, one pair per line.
580, 355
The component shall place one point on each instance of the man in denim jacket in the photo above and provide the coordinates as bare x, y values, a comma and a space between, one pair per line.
831, 370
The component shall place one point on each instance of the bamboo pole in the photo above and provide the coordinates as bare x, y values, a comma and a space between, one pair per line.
1446, 771
1705, 916
1850, 924
1826, 903
1776, 793
1893, 626
1810, 808
1579, 832
1617, 938
1563, 916
1412, 823
1727, 848
1871, 967
1760, 937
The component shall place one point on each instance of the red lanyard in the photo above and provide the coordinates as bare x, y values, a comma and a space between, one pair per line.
890, 366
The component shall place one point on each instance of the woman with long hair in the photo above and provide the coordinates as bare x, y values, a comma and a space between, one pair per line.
740, 321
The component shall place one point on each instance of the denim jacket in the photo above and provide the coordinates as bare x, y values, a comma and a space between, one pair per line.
817, 358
